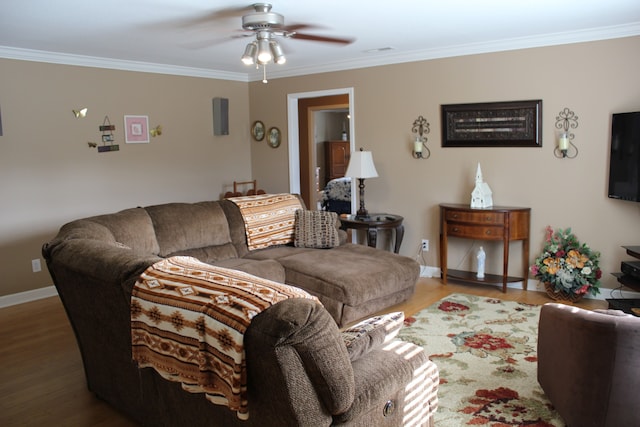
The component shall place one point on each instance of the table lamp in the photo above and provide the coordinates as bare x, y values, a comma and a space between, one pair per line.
361, 166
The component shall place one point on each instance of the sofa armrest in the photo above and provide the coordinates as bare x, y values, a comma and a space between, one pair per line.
113, 263
299, 373
587, 364
342, 236
295, 353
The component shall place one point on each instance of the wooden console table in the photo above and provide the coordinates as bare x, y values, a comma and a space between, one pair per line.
497, 223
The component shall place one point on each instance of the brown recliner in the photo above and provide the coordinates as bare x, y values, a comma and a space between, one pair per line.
589, 365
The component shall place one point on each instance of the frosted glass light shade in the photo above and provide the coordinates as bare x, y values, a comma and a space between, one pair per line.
264, 51
278, 54
249, 56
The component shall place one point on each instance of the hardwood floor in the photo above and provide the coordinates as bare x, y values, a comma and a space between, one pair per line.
43, 381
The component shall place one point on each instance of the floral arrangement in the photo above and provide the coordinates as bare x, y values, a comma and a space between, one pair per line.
567, 265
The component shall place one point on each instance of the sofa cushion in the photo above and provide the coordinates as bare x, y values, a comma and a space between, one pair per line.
130, 228
266, 269
371, 333
209, 254
350, 273
316, 229
352, 281
277, 252
183, 226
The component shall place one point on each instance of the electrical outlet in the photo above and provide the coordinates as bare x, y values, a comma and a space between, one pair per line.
35, 265
425, 245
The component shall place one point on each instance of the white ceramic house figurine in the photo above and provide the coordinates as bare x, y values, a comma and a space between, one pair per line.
481, 196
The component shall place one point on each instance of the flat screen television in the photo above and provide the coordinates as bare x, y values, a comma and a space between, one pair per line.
624, 158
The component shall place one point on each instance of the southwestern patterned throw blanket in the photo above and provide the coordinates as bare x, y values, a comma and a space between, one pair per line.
188, 321
269, 218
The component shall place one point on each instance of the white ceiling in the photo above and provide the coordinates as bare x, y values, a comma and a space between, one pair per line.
151, 35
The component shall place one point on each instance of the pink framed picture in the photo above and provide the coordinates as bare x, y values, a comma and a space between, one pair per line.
136, 129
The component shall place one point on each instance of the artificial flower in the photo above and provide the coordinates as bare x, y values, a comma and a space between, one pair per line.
568, 265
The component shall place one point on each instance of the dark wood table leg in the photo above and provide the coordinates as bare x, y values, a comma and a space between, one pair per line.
443, 253
525, 263
505, 262
399, 237
372, 237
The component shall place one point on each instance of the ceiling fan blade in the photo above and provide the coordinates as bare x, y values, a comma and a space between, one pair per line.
201, 44
297, 27
207, 18
231, 12
325, 39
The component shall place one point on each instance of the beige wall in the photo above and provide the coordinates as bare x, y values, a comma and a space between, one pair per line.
49, 175
592, 79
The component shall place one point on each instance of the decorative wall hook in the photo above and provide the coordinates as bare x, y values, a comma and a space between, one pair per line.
420, 129
565, 120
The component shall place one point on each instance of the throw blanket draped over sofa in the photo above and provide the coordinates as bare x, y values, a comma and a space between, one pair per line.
188, 321
268, 219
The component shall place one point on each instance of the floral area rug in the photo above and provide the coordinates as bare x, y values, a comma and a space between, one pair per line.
485, 350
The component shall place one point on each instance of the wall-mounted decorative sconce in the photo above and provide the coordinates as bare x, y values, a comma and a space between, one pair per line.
565, 120
420, 129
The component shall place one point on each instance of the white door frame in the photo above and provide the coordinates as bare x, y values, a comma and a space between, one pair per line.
294, 139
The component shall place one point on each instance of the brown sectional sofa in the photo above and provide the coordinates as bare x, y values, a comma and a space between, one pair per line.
95, 262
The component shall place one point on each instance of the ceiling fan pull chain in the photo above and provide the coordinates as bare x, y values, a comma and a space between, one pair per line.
264, 73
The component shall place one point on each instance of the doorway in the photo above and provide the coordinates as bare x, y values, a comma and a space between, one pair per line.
301, 108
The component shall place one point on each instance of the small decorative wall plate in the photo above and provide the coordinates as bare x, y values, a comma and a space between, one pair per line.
257, 130
274, 137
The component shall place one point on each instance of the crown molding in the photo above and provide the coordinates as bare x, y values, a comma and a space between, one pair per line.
377, 59
570, 37
116, 64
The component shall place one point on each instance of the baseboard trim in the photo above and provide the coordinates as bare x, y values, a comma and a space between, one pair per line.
536, 286
429, 271
605, 293
28, 296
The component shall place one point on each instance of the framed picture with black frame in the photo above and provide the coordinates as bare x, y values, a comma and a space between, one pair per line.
492, 124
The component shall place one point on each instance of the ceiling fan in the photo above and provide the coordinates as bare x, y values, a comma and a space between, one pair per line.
260, 22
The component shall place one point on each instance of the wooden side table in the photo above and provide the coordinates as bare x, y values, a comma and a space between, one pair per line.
497, 223
374, 222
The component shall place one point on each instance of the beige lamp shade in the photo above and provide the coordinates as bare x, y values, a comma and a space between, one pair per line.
361, 165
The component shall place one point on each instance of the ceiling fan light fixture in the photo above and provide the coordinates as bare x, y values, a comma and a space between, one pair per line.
250, 53
264, 51
278, 54
266, 26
